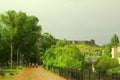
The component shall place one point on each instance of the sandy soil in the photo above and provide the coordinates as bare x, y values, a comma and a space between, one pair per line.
36, 74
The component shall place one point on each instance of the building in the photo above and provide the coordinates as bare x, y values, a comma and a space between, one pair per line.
116, 52
89, 42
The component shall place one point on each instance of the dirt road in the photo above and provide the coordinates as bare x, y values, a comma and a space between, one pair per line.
36, 74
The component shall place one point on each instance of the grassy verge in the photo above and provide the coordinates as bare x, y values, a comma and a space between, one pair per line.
6, 73
6, 79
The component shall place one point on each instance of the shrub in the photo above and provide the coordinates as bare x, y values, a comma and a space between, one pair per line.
115, 71
105, 63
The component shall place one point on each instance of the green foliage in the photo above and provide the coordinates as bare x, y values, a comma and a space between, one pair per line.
23, 33
8, 72
61, 43
107, 49
46, 41
118, 54
20, 31
113, 63
114, 40
113, 71
49, 56
6, 79
89, 48
64, 56
105, 63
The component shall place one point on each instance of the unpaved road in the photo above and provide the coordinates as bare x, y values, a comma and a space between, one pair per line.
36, 74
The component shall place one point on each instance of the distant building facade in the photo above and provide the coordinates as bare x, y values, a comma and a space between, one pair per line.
89, 42
115, 52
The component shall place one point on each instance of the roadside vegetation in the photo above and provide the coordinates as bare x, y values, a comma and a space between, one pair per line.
22, 42
63, 55
6, 79
6, 73
106, 64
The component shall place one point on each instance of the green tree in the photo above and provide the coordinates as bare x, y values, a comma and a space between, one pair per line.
4, 50
61, 43
64, 56
107, 49
114, 40
22, 32
105, 63
29, 33
46, 41
7, 23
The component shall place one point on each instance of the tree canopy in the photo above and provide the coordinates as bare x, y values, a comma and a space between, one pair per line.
64, 56
105, 63
21, 31
114, 40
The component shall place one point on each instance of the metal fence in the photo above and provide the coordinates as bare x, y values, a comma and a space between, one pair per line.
73, 74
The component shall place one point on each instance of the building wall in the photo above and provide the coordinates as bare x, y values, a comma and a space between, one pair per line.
89, 42
115, 51
118, 48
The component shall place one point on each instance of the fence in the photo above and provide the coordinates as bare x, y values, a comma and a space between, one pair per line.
73, 74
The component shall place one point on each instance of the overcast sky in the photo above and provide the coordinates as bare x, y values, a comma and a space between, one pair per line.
72, 19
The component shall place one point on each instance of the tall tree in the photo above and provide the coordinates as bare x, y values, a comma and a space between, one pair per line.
7, 22
64, 56
114, 40
46, 41
104, 63
22, 32
107, 50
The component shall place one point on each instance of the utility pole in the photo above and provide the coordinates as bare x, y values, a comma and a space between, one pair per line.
11, 56
20, 59
17, 59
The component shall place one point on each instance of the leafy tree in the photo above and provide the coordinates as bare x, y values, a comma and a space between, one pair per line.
22, 32
61, 43
4, 51
49, 56
105, 63
64, 56
114, 40
46, 41
7, 24
29, 33
112, 71
107, 49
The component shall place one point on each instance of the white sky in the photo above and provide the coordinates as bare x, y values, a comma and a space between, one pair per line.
72, 19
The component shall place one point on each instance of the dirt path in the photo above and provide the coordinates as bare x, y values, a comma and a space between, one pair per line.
36, 74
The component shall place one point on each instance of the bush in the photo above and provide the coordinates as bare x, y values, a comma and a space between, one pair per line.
115, 71
2, 73
64, 56
105, 63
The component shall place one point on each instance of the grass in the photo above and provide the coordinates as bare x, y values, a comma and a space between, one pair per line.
6, 79
6, 72
9, 72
